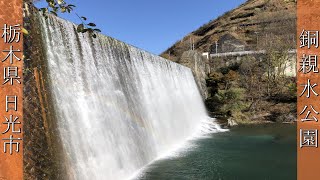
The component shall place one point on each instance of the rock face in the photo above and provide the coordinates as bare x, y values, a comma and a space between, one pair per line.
199, 67
232, 122
40, 154
228, 43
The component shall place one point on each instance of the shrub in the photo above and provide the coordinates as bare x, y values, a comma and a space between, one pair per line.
233, 100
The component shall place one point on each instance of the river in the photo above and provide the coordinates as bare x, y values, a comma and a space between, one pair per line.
254, 152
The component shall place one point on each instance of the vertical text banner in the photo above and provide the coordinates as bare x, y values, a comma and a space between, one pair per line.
11, 90
308, 87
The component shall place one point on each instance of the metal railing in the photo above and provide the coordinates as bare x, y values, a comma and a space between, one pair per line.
242, 53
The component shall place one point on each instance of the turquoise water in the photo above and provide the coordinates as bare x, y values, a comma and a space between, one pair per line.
259, 152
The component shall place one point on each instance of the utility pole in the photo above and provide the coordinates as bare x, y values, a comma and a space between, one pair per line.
294, 39
266, 43
257, 38
217, 47
192, 44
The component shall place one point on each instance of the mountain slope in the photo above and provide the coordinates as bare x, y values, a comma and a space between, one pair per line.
249, 25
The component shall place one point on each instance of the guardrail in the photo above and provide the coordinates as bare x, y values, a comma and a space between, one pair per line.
241, 53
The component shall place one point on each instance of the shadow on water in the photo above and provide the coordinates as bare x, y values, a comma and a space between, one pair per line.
255, 152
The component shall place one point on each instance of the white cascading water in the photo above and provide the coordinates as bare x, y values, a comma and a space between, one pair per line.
118, 107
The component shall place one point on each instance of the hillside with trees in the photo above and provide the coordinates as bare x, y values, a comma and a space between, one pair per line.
254, 88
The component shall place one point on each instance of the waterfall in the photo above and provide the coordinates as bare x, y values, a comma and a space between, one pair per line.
117, 107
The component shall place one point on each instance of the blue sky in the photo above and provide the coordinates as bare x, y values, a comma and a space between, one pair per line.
153, 25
